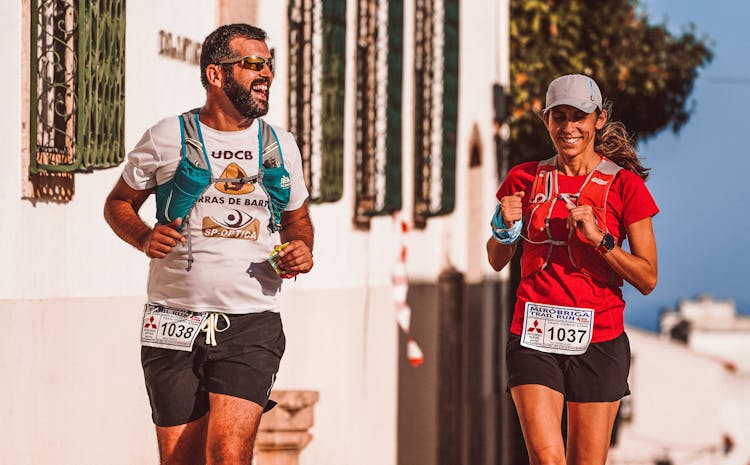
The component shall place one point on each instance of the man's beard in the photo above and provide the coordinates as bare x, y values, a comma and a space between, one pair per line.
242, 98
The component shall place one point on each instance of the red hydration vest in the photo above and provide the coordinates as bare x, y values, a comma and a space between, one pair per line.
538, 243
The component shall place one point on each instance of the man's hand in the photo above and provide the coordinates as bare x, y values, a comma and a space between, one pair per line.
297, 230
295, 258
162, 239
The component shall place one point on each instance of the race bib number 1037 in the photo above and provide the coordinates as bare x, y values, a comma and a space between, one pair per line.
557, 330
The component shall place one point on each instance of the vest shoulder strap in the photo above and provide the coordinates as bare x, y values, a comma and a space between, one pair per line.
607, 166
543, 180
271, 156
192, 141
595, 191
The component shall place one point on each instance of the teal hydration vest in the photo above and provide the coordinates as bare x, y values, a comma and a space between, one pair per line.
177, 197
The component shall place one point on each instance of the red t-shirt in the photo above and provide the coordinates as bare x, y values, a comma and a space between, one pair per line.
561, 283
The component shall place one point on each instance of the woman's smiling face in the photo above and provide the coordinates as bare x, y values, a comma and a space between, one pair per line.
573, 130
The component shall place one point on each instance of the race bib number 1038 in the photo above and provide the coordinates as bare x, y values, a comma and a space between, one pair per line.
170, 328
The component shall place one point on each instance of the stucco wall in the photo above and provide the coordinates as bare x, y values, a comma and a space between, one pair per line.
74, 391
677, 402
71, 292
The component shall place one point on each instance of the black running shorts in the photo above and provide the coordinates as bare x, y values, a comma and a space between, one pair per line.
599, 375
243, 364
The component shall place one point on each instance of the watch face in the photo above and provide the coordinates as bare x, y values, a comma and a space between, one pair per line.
608, 242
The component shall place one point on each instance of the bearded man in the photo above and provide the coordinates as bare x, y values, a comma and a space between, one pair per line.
212, 337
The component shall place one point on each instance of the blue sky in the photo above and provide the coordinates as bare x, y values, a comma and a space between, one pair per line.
701, 176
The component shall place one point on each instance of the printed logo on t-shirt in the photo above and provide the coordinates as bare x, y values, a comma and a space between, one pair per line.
234, 171
228, 154
235, 224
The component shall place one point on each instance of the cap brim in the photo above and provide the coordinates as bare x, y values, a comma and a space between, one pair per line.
582, 105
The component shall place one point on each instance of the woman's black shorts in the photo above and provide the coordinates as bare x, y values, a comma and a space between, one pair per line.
243, 364
599, 375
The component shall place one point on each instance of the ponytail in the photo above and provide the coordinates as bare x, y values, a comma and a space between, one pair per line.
614, 142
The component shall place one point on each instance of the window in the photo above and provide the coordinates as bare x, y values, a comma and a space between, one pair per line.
77, 96
378, 117
317, 47
436, 108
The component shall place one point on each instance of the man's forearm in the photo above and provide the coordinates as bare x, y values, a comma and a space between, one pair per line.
298, 227
126, 223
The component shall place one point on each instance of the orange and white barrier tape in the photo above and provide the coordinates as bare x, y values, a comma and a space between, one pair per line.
400, 287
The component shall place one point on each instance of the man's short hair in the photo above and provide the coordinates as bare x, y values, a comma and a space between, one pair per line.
216, 46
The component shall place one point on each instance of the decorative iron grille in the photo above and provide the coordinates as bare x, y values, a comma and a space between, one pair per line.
77, 76
378, 121
101, 85
436, 108
317, 48
54, 82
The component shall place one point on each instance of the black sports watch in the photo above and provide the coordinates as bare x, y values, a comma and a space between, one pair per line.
606, 245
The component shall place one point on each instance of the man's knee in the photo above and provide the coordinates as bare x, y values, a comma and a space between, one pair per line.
185, 454
230, 454
232, 428
183, 444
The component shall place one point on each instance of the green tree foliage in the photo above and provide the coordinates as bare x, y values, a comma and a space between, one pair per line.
644, 70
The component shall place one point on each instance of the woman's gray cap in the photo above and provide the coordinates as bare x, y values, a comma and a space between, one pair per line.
575, 90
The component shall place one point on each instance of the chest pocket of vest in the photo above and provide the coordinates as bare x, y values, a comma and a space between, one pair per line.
176, 197
535, 216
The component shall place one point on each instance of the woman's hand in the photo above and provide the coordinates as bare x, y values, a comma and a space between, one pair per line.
582, 217
639, 266
511, 208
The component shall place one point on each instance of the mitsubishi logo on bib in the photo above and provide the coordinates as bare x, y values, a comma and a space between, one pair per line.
150, 323
535, 327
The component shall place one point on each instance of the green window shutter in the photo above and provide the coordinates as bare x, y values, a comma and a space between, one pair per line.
317, 49
378, 118
77, 85
101, 85
436, 108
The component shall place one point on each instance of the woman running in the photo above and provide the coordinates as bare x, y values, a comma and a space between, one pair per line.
572, 213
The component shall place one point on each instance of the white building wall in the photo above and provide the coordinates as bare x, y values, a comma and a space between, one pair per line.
678, 399
707, 312
735, 419
71, 291
67, 250
731, 346
716, 331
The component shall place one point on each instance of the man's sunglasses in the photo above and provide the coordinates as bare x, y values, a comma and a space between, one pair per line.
251, 62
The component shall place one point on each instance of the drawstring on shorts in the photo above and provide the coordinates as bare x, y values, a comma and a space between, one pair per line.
210, 326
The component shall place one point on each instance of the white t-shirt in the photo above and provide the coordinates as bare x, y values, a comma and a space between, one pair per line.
228, 225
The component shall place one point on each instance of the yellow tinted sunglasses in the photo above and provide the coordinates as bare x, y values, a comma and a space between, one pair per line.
251, 62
